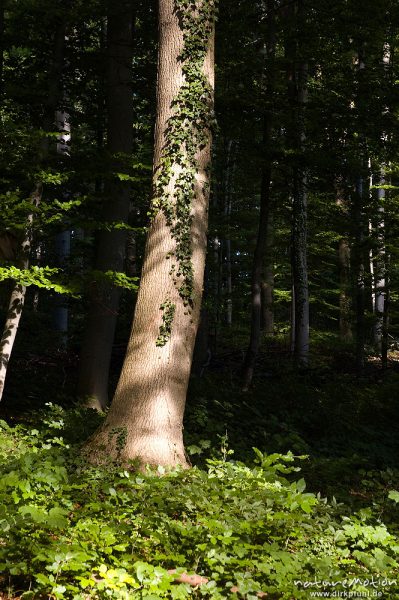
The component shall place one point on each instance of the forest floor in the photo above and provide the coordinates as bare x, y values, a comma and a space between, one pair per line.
317, 498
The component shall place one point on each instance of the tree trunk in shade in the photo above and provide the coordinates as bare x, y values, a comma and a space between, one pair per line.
359, 271
17, 298
299, 220
344, 258
22, 253
2, 10
111, 245
263, 241
377, 264
63, 239
145, 421
297, 75
267, 317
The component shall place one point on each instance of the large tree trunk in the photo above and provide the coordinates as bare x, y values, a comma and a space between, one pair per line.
111, 245
145, 421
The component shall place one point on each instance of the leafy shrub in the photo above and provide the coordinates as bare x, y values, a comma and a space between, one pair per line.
77, 532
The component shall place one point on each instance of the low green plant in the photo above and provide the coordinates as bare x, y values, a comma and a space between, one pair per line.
69, 531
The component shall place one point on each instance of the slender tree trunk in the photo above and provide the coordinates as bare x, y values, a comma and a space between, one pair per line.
217, 278
227, 213
2, 11
111, 247
299, 231
262, 242
297, 95
145, 421
292, 320
378, 272
63, 239
359, 270
344, 257
17, 298
18, 293
385, 320
379, 263
267, 317
345, 323
255, 335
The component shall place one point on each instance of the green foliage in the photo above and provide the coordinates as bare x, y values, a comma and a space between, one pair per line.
38, 276
72, 531
165, 330
116, 278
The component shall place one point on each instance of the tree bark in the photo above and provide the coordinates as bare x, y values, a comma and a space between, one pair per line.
359, 271
345, 324
267, 317
17, 298
230, 160
299, 212
378, 271
18, 293
63, 239
263, 237
111, 245
145, 421
344, 257
2, 11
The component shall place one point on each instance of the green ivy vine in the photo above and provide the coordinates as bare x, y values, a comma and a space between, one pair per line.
168, 313
188, 130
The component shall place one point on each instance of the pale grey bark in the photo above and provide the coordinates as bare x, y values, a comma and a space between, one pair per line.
359, 271
17, 298
63, 238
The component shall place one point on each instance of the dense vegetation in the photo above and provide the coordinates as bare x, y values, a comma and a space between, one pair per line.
287, 483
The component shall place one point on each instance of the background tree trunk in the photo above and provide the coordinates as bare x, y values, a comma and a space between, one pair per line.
2, 11
111, 245
263, 241
17, 298
297, 95
344, 258
359, 271
145, 421
299, 220
63, 239
267, 317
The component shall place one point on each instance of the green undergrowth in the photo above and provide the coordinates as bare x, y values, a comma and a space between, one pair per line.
68, 530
